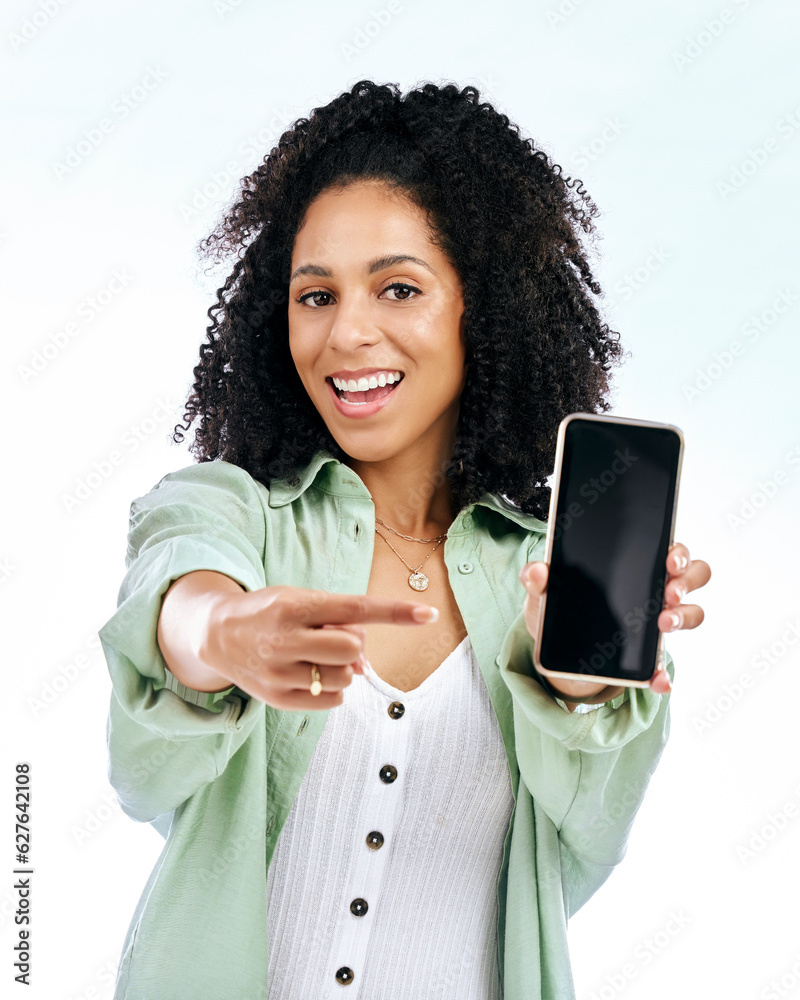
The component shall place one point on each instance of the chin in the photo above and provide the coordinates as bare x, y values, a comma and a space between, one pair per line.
365, 453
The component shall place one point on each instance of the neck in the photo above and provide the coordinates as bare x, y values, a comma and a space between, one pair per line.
410, 495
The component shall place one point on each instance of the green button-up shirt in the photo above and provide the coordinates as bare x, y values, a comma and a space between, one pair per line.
217, 773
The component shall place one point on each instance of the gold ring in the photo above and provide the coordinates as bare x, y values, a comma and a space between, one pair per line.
316, 680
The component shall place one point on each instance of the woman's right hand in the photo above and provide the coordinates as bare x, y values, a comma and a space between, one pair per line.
265, 641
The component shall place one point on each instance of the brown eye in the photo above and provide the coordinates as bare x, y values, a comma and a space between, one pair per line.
403, 287
309, 295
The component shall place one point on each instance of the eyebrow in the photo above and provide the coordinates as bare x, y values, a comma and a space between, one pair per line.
378, 264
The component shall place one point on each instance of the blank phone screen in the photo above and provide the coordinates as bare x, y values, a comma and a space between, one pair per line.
611, 535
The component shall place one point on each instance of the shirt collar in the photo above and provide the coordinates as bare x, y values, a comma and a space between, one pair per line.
332, 476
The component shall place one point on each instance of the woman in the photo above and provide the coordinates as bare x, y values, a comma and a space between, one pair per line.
323, 688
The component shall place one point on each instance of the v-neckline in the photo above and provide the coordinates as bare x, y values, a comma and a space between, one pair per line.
386, 688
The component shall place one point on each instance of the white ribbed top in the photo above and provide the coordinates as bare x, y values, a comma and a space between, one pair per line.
430, 930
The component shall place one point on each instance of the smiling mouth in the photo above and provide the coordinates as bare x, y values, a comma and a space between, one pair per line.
365, 396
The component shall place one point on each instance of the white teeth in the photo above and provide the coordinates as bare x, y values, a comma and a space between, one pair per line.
370, 382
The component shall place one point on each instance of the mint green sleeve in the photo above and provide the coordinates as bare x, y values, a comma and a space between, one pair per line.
587, 772
164, 740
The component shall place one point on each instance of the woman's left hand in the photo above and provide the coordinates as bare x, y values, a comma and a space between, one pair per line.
683, 575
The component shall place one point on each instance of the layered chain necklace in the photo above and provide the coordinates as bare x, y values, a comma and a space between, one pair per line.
417, 579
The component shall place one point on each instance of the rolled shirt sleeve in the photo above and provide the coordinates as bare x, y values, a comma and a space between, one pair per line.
587, 771
166, 740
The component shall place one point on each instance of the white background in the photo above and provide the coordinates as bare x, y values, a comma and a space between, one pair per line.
683, 121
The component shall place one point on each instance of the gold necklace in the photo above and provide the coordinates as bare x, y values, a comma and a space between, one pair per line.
410, 538
417, 580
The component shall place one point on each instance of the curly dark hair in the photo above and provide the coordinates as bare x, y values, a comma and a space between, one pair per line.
512, 224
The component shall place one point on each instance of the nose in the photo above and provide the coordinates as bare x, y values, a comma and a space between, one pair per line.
352, 325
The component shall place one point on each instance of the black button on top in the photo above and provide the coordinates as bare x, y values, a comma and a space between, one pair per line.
359, 907
388, 773
344, 976
396, 710
374, 840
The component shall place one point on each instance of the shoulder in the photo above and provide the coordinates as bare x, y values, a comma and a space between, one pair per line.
206, 482
215, 473
213, 493
507, 514
202, 501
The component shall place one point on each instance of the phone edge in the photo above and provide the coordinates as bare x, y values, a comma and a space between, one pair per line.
562, 432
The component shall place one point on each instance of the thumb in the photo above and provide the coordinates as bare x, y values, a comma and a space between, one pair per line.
534, 577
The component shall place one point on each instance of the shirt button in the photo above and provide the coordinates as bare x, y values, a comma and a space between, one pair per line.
465, 567
374, 840
388, 773
396, 710
344, 976
359, 907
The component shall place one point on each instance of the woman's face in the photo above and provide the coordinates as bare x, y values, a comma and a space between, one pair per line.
360, 308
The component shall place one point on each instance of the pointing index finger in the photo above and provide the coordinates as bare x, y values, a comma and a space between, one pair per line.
349, 608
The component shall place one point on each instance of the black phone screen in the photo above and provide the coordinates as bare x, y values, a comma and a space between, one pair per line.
611, 535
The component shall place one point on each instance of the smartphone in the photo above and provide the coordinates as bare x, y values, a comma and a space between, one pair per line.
611, 523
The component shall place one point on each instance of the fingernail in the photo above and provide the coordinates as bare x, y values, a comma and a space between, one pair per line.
681, 562
675, 620
425, 613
